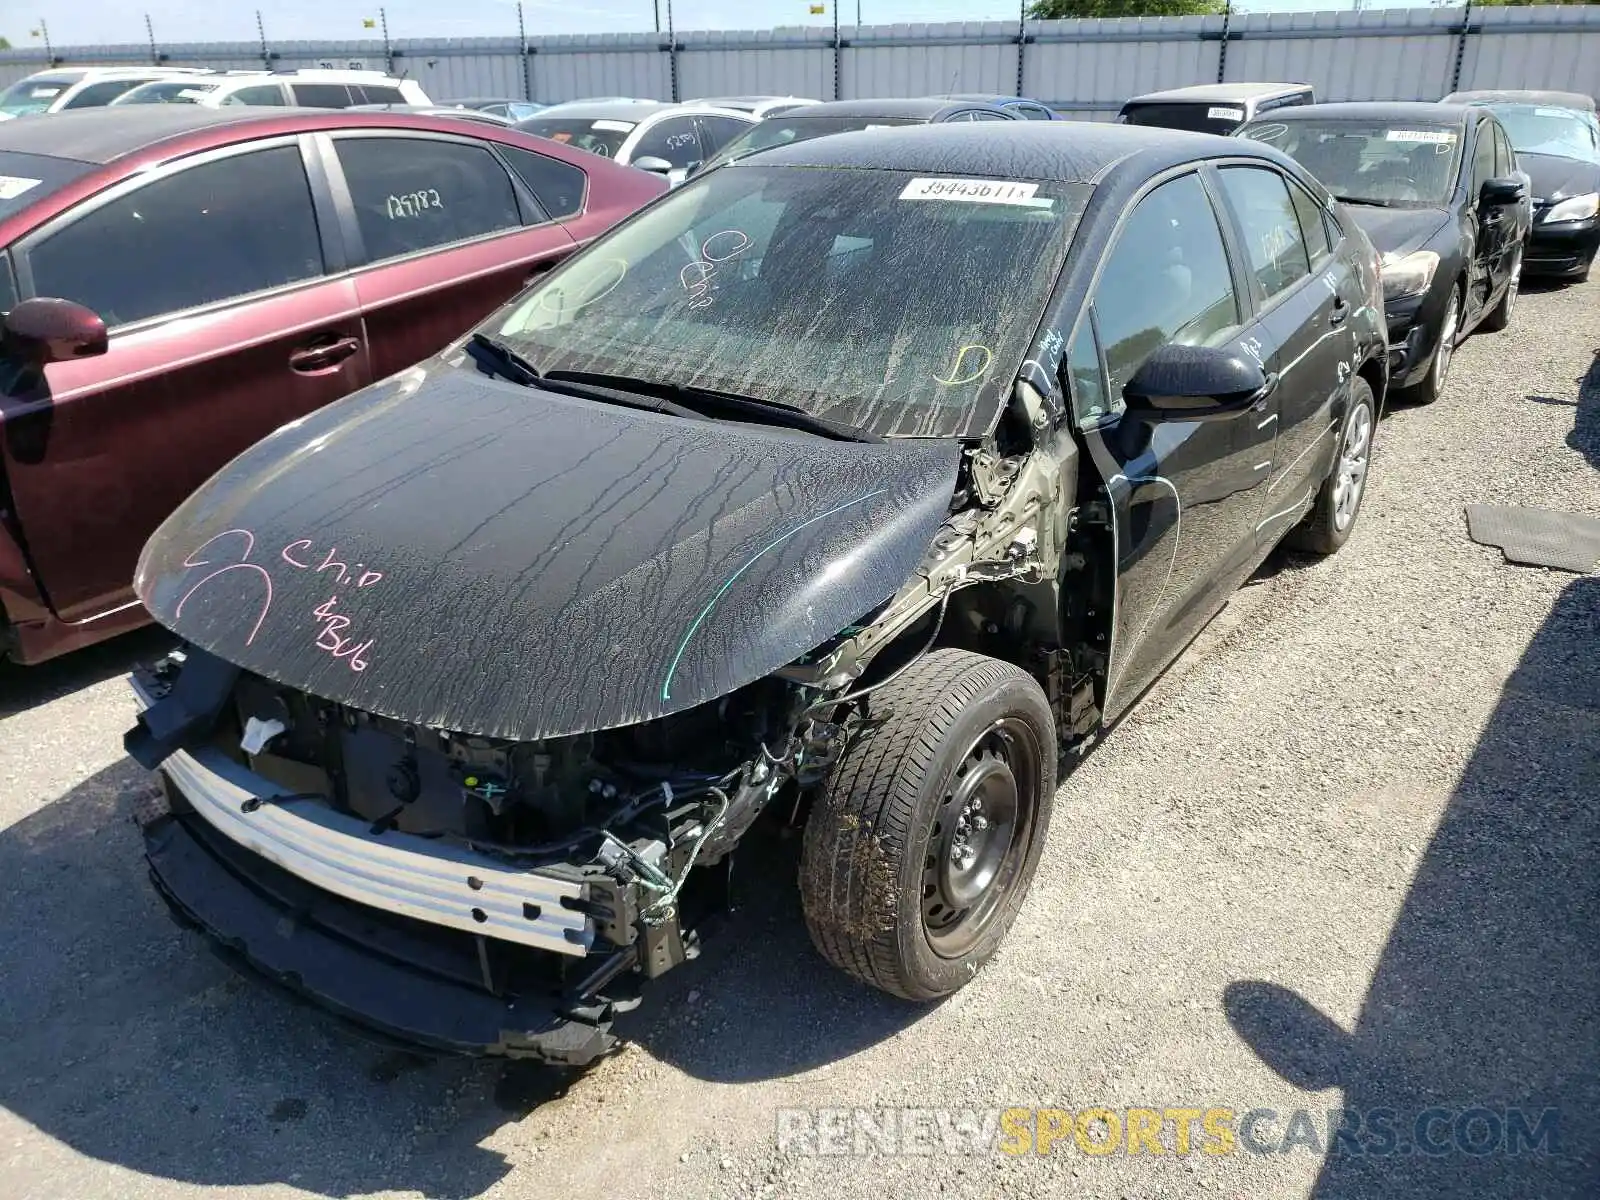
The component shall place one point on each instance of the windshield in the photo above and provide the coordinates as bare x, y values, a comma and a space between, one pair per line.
878, 299
25, 178
1537, 129
600, 137
1371, 162
34, 95
1221, 118
170, 91
780, 131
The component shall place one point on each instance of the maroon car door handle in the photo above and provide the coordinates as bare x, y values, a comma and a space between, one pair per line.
313, 360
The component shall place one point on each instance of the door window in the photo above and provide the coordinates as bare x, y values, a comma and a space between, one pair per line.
1032, 112
674, 139
211, 232
558, 186
1482, 158
717, 132
413, 194
377, 94
1311, 225
99, 94
1167, 280
1274, 245
266, 94
321, 95
980, 115
1085, 378
1505, 158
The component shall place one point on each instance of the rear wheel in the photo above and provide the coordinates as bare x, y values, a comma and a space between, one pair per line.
920, 849
1500, 317
1432, 385
1333, 513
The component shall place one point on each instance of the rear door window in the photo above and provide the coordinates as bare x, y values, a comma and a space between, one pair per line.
210, 232
558, 186
1318, 244
1274, 245
675, 139
97, 95
1033, 112
268, 94
717, 132
413, 194
321, 95
377, 94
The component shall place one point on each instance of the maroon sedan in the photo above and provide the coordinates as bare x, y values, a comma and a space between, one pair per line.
249, 265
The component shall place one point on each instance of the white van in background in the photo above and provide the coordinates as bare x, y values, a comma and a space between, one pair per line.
311, 88
81, 87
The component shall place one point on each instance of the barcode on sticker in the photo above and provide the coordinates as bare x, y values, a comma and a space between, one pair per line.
1224, 114
1438, 137
976, 191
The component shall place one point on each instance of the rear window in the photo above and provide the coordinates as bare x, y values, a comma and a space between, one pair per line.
600, 137
35, 95
781, 131
1196, 118
25, 178
558, 186
168, 91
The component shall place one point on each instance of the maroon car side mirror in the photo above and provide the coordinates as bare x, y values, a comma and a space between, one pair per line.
45, 330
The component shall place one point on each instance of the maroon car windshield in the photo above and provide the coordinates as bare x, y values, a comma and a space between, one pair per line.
25, 178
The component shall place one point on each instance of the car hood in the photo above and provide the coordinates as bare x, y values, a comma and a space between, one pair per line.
471, 555
1556, 178
1397, 230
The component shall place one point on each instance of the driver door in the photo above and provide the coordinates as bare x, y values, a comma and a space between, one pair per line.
1185, 495
1492, 226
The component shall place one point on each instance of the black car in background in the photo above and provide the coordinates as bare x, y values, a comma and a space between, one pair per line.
1437, 189
850, 484
1213, 107
844, 116
1557, 141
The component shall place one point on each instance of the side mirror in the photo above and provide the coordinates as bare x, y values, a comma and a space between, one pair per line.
1507, 189
1195, 383
656, 166
44, 330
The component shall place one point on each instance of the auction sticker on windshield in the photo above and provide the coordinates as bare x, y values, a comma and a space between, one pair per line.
1224, 114
977, 191
1439, 137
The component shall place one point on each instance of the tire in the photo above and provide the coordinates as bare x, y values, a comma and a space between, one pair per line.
954, 729
1500, 317
1333, 514
1432, 385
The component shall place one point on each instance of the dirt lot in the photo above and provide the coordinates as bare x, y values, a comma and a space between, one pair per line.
1344, 855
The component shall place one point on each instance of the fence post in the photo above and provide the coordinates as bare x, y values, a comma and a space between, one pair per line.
261, 32
527, 57
672, 54
838, 50
1222, 55
388, 51
150, 32
1022, 41
1461, 47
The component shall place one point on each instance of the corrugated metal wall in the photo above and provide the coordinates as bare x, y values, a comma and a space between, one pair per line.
1085, 68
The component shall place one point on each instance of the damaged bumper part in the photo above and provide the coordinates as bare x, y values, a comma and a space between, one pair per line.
441, 890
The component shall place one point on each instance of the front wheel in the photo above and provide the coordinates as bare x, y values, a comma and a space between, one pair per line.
1432, 385
1333, 513
920, 850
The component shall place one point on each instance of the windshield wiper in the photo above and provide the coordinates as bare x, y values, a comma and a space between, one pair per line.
771, 412
494, 357
1368, 203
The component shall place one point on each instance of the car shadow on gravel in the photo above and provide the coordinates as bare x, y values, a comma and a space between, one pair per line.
124, 1039
1585, 434
22, 688
1484, 996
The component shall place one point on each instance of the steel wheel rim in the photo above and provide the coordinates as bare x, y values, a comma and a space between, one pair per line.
980, 836
1447, 339
1352, 469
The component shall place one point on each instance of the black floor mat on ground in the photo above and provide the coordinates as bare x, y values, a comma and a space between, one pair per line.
1537, 537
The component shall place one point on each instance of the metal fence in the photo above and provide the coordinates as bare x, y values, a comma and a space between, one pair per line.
1084, 68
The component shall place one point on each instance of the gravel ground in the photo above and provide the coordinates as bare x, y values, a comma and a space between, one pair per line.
1344, 854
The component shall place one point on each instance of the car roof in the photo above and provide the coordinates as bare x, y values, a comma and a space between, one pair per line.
1211, 93
1066, 152
101, 135
1575, 100
605, 110
1416, 112
918, 106
993, 98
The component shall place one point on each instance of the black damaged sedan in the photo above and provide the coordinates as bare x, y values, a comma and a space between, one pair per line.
851, 485
1438, 190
